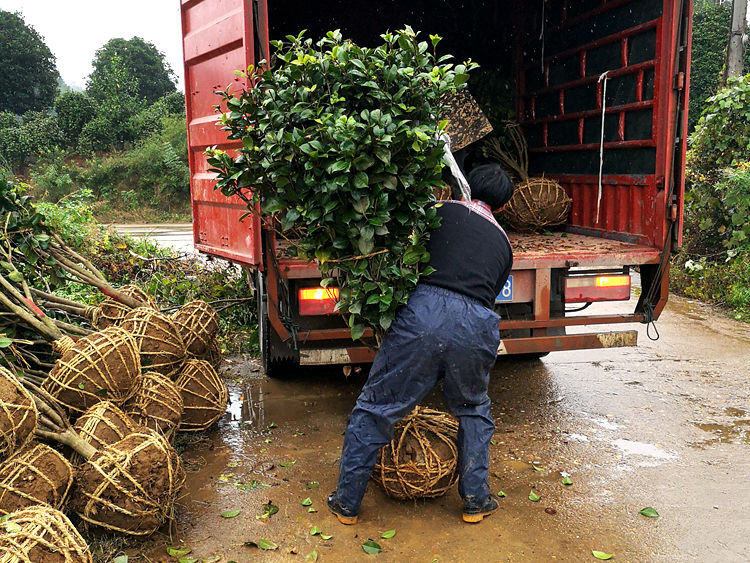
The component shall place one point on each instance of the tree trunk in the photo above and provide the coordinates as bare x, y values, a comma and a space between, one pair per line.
736, 49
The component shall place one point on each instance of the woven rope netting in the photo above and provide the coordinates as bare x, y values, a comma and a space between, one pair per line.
421, 460
198, 324
103, 424
213, 355
101, 366
131, 486
157, 404
35, 475
41, 534
18, 415
111, 312
204, 395
160, 343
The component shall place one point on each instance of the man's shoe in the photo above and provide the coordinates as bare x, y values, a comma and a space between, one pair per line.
476, 511
345, 516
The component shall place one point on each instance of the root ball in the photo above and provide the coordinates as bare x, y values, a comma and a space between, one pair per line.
160, 343
157, 404
35, 475
421, 460
198, 324
204, 395
538, 203
18, 415
131, 486
104, 424
101, 366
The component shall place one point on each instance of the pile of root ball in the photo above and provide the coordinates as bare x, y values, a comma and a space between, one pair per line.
91, 399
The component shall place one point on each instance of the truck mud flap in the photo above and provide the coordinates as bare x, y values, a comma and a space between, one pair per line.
541, 344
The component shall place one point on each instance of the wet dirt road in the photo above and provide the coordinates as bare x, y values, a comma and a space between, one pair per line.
665, 425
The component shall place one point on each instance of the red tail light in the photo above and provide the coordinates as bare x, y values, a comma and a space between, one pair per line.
586, 289
318, 300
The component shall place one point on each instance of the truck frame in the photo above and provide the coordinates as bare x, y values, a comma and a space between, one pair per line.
602, 96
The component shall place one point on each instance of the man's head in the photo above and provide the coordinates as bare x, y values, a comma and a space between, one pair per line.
490, 184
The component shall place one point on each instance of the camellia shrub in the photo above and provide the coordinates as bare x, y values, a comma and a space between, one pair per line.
340, 146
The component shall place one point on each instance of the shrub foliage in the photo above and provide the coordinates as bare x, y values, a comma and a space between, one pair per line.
340, 147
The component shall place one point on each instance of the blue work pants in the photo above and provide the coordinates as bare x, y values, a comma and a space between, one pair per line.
439, 335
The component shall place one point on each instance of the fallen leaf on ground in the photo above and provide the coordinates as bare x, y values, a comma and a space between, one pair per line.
649, 512
287, 463
312, 556
178, 551
313, 485
230, 513
268, 545
567, 481
326, 536
501, 494
315, 530
269, 509
371, 548
534, 497
306, 502
601, 555
388, 534
537, 468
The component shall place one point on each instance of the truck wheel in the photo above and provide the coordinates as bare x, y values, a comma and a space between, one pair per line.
268, 341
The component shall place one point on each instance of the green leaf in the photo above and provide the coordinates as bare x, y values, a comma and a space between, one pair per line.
326, 536
287, 463
315, 531
5, 342
601, 555
178, 551
534, 497
306, 502
120, 559
357, 331
312, 485
649, 512
230, 513
362, 204
371, 548
81, 386
188, 560
15, 276
537, 468
267, 545
311, 510
312, 556
388, 534
501, 494
567, 480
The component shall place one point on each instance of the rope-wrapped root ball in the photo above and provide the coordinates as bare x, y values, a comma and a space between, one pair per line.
104, 365
131, 486
198, 324
160, 343
136, 292
421, 460
111, 312
18, 415
213, 355
41, 534
157, 404
204, 395
102, 425
538, 203
37, 474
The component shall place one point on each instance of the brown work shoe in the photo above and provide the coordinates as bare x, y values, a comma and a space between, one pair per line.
476, 512
344, 516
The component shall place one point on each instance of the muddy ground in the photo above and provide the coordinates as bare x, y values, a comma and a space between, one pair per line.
665, 425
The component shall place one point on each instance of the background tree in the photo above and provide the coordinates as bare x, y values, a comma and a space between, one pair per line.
74, 110
28, 75
142, 60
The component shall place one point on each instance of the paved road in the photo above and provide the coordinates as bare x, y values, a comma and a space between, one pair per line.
666, 425
176, 235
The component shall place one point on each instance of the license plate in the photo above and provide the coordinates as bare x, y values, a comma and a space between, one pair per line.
507, 292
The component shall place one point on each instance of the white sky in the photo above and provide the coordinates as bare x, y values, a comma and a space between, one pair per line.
75, 29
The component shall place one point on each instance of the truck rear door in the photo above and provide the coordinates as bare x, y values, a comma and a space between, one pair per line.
219, 37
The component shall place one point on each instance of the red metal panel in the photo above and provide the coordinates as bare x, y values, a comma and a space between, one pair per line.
217, 39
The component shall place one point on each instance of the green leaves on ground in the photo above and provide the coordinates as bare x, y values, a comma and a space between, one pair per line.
314, 531
267, 545
388, 534
649, 512
269, 509
344, 154
287, 463
537, 468
313, 485
178, 551
501, 494
601, 555
567, 480
534, 497
312, 556
230, 513
371, 547
306, 502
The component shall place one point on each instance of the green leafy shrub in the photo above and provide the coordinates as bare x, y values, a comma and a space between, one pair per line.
35, 133
339, 144
74, 110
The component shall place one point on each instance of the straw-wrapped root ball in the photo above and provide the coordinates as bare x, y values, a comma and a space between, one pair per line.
538, 203
204, 395
18, 415
160, 343
41, 534
37, 474
104, 424
131, 486
157, 404
198, 324
102, 366
421, 460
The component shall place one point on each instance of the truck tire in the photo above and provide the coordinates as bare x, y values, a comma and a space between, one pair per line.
270, 344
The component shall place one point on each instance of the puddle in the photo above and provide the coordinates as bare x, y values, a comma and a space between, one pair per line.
736, 432
629, 447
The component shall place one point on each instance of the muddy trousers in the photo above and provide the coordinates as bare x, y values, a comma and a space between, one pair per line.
439, 335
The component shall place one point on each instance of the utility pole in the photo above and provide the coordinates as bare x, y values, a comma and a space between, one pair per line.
736, 49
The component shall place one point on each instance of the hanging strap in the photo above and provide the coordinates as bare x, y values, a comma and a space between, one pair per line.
604, 77
455, 168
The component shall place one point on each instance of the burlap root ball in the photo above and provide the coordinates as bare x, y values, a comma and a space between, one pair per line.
198, 324
102, 366
18, 415
131, 486
41, 534
204, 395
538, 203
157, 404
37, 474
421, 461
160, 343
103, 424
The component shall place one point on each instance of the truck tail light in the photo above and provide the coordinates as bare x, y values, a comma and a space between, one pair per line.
586, 289
318, 300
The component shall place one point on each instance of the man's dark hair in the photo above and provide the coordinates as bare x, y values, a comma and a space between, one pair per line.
490, 184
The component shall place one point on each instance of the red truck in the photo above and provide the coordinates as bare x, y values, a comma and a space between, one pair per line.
600, 88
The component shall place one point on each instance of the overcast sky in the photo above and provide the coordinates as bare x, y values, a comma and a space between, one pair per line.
75, 29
